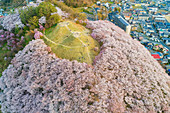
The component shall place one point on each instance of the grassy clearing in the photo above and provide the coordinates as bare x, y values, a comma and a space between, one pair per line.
72, 41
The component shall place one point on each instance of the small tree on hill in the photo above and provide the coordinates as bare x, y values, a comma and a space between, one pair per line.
54, 19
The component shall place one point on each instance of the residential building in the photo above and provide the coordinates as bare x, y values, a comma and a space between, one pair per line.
134, 27
122, 23
160, 20
156, 56
143, 17
152, 8
157, 16
127, 17
166, 41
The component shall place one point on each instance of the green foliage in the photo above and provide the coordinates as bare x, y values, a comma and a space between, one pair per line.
79, 3
72, 41
63, 7
102, 13
33, 21
82, 16
12, 4
44, 9
117, 9
73, 12
54, 19
16, 30
99, 16
26, 14
40, 12
84, 10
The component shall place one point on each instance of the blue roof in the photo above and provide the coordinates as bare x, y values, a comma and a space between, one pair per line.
1, 9
168, 24
5, 14
166, 38
160, 54
169, 70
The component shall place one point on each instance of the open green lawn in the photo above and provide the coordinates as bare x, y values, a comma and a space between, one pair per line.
72, 41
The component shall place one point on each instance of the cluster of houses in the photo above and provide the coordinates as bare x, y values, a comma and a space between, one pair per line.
152, 24
157, 49
150, 27
114, 16
145, 22
160, 53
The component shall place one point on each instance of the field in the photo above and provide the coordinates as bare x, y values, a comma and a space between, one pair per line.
72, 41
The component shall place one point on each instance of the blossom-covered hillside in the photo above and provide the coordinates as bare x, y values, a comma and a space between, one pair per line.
124, 78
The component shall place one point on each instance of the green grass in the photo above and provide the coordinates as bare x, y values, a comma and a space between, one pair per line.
72, 41
3, 63
88, 10
111, 2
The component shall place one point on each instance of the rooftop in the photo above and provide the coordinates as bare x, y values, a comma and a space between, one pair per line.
160, 19
122, 20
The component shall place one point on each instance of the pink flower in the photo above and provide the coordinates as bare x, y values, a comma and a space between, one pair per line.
11, 35
17, 35
93, 35
37, 34
41, 27
2, 36
13, 42
22, 37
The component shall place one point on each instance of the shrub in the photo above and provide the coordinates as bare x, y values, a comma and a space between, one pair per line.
73, 13
54, 19
79, 3
32, 14
33, 21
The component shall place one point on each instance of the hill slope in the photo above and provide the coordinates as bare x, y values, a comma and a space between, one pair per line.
125, 78
72, 41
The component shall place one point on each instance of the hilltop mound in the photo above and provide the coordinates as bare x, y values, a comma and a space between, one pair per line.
124, 78
72, 41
